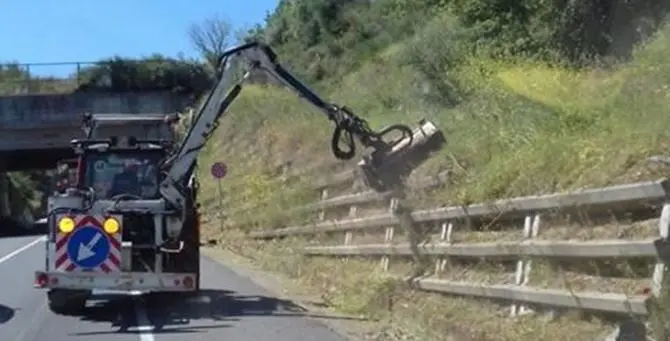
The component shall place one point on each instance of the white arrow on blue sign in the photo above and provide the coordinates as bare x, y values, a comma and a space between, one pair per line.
88, 247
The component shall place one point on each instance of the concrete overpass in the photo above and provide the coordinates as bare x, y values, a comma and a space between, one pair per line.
40, 115
36, 130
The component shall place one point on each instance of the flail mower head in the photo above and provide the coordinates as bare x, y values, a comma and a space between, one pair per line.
388, 163
386, 168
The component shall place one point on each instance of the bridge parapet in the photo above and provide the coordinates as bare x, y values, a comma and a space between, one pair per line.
44, 111
44, 125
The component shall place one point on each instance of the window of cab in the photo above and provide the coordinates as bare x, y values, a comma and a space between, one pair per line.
114, 173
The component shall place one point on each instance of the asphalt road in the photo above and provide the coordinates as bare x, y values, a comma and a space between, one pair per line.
230, 308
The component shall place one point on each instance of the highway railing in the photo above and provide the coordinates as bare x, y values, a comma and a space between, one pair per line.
534, 211
348, 202
37, 78
52, 78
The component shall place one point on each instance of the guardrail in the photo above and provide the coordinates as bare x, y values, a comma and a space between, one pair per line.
30, 78
350, 201
645, 196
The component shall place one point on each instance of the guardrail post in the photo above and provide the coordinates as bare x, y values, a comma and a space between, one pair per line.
660, 312
322, 212
29, 82
389, 232
531, 228
79, 76
447, 229
659, 268
349, 235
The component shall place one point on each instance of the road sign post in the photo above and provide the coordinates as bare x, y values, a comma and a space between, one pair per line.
219, 171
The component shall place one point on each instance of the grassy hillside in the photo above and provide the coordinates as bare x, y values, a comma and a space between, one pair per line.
514, 124
519, 127
533, 97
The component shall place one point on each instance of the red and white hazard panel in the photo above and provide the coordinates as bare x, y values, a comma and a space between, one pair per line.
87, 243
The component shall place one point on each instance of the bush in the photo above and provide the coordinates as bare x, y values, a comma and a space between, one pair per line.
150, 74
438, 52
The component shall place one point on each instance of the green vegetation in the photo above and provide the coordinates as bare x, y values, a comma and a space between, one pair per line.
152, 73
519, 117
27, 190
115, 74
16, 79
533, 96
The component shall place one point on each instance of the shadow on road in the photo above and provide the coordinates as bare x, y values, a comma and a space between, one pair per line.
176, 313
6, 314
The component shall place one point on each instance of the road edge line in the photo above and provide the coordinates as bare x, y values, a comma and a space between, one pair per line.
21, 249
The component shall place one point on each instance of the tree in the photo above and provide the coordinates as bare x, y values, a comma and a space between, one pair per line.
248, 34
153, 73
211, 38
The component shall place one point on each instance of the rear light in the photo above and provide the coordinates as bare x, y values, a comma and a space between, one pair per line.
188, 282
41, 280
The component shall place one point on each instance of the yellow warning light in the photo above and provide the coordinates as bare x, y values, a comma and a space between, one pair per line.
111, 225
66, 225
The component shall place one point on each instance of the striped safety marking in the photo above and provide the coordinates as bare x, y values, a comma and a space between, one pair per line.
63, 262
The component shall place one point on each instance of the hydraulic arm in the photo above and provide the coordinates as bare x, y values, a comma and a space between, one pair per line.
348, 126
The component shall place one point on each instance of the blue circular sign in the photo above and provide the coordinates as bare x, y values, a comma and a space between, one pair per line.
88, 247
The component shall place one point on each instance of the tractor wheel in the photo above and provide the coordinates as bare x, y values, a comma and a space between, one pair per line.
67, 302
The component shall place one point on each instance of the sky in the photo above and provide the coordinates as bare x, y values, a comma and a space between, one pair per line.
46, 31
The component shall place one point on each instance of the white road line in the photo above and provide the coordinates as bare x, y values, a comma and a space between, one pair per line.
144, 326
21, 249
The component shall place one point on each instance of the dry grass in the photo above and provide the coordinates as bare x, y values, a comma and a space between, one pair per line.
359, 287
525, 129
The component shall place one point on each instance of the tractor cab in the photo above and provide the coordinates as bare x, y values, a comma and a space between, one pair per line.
122, 153
116, 171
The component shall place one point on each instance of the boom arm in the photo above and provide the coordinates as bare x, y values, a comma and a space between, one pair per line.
261, 56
